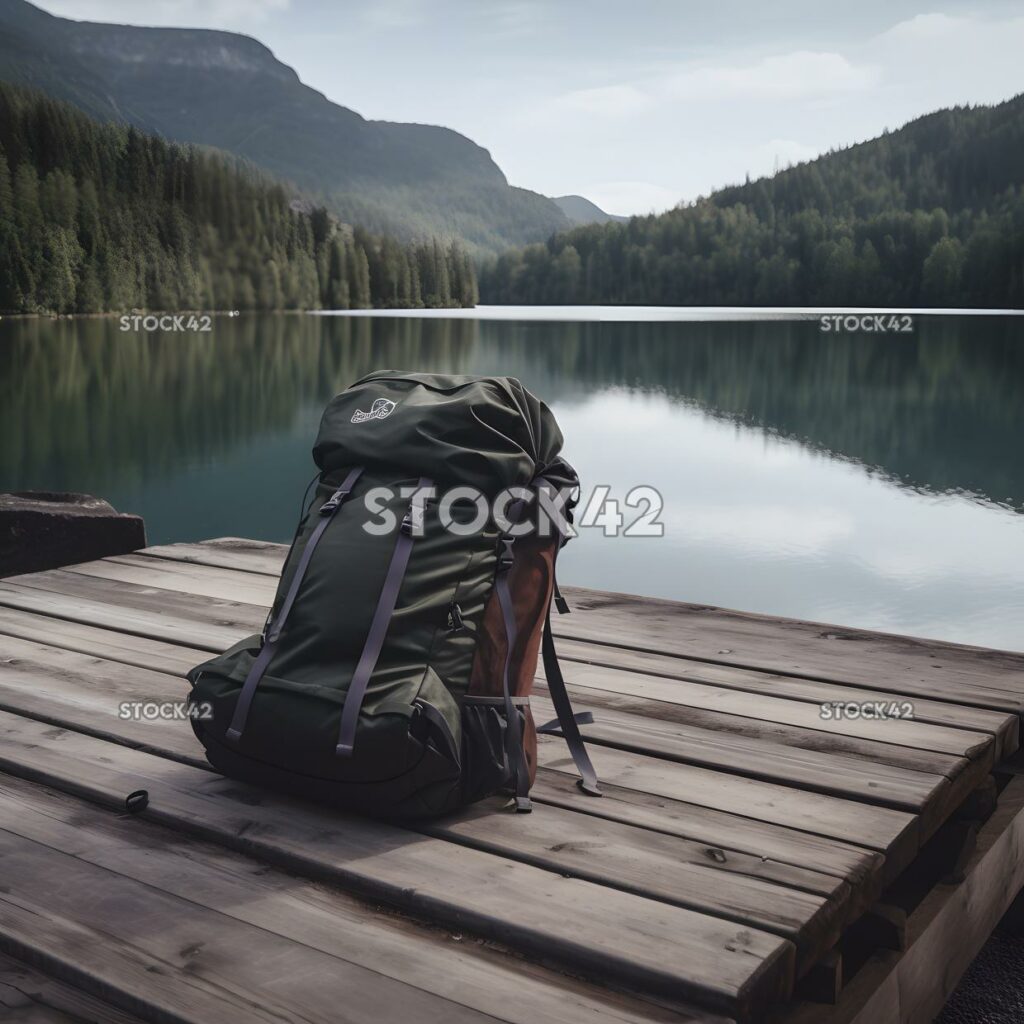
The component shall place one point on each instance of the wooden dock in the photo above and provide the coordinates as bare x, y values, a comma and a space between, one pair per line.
752, 858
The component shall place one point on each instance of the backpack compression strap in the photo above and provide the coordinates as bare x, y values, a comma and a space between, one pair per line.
277, 622
380, 622
567, 722
514, 728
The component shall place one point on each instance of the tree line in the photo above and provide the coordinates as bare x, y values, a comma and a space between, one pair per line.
930, 215
98, 217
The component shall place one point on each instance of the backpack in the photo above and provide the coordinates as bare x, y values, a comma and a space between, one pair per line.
394, 672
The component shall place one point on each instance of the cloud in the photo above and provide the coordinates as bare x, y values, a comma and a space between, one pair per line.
924, 27
799, 75
392, 15
605, 101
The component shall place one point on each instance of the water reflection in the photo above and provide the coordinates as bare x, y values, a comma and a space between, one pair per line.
866, 480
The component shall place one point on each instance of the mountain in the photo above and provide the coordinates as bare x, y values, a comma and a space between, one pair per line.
228, 91
930, 215
582, 211
97, 217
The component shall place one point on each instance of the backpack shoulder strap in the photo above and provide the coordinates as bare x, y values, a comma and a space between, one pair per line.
276, 623
379, 624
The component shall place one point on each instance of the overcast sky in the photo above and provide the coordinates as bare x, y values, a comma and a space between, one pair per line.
635, 105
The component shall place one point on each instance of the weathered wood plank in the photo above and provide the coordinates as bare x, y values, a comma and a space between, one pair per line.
256, 556
881, 828
894, 833
220, 584
78, 691
615, 937
792, 647
164, 615
958, 673
663, 713
229, 584
900, 732
807, 907
83, 693
111, 644
930, 796
384, 946
36, 676
28, 996
1003, 724
155, 954
75, 691
948, 928
716, 828
101, 611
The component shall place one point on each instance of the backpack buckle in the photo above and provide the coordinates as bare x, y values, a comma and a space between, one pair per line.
506, 556
455, 621
330, 506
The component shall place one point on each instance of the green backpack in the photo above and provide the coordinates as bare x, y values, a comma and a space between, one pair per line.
394, 672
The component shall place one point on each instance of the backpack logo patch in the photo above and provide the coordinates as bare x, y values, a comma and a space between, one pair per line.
380, 409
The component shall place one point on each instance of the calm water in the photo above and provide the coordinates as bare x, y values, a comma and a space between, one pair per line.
870, 480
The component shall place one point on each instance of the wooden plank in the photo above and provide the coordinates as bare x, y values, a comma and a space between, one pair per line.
894, 833
176, 741
35, 678
872, 751
1004, 724
958, 673
168, 957
716, 828
78, 691
111, 644
932, 798
230, 584
224, 584
82, 692
163, 615
591, 930
948, 928
72, 690
378, 947
101, 611
805, 906
27, 996
256, 556
220, 584
880, 828
919, 735
815, 770
792, 647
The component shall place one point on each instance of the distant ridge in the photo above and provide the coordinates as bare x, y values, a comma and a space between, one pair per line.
229, 91
927, 216
583, 211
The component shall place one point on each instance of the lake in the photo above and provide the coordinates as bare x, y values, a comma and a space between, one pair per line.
863, 479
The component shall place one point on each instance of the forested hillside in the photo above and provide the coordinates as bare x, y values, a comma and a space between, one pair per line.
930, 215
229, 91
97, 217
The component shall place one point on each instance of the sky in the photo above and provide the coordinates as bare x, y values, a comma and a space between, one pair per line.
638, 105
